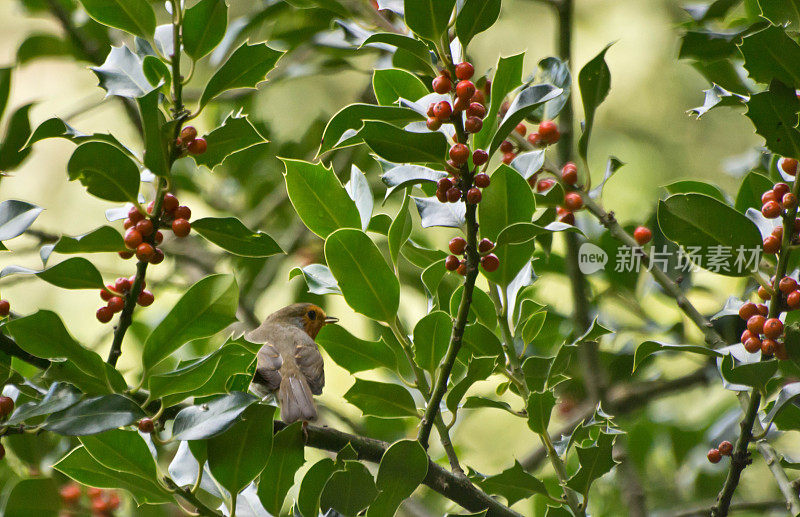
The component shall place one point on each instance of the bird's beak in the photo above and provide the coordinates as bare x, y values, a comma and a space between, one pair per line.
330, 319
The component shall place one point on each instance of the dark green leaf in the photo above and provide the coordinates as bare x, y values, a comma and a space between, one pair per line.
95, 415
352, 353
594, 80
284, 461
753, 185
475, 17
781, 12
397, 145
417, 52
522, 106
519, 233
698, 187
649, 348
318, 278
481, 307
399, 231
367, 282
122, 74
319, 198
483, 402
12, 150
595, 461
403, 467
206, 308
157, 73
740, 377
59, 397
514, 484
103, 239
234, 237
5, 88
774, 114
350, 490
788, 393
381, 399
34, 497
105, 171
702, 222
134, 16
428, 18
204, 27
539, 407
764, 64
16, 217
479, 369
237, 456
57, 128
211, 418
312, 485
124, 451
342, 129
431, 278
433, 212
481, 341
73, 273
508, 76
246, 68
431, 338
707, 45
234, 135
156, 134
392, 84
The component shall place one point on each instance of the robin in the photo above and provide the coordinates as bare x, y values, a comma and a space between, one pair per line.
289, 362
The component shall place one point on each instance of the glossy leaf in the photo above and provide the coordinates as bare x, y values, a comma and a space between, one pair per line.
481, 341
403, 467
5, 88
234, 237
717, 96
124, 451
349, 490
156, 134
774, 114
134, 16
403, 176
433, 212
318, 277
237, 456
522, 106
594, 81
206, 308
105, 171
519, 233
16, 217
94, 415
284, 462
514, 484
539, 407
211, 418
481, 307
392, 84
343, 128
358, 190
246, 68
528, 164
431, 338
649, 348
314, 481
508, 75
12, 148
367, 282
478, 369
103, 239
428, 18
416, 50
595, 461
73, 273
352, 353
764, 64
399, 231
57, 128
59, 397
781, 12
33, 497
697, 187
397, 145
234, 135
122, 73
204, 27
319, 198
740, 377
752, 187
381, 399
475, 17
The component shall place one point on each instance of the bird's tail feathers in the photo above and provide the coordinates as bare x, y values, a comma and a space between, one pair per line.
296, 400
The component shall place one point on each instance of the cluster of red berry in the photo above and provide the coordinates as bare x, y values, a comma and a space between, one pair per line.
773, 203
759, 325
103, 502
547, 134
114, 294
188, 142
724, 449
142, 234
6, 408
458, 247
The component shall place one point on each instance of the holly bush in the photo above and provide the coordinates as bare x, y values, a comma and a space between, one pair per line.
444, 216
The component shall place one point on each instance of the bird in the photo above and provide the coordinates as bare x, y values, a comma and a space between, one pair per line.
289, 364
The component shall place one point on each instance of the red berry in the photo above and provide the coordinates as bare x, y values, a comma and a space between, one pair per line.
465, 90
772, 245
508, 158
768, 346
116, 304
473, 125
181, 227
569, 173
442, 110
748, 310
535, 139
125, 255
506, 147
565, 216
479, 97
430, 112
188, 134
127, 224
144, 251
752, 345
464, 71
442, 84
453, 194
474, 196
6, 406
773, 328
433, 123
780, 189
104, 314
113, 501
444, 184
642, 234
789, 166
457, 245
70, 494
145, 227
197, 146
135, 215
482, 180
490, 262
459, 153
545, 185
476, 110
5, 308
150, 207
105, 295
756, 324
460, 104
170, 202
521, 129
504, 108
183, 212
485, 246
122, 285
714, 456
763, 309
145, 298
441, 195
133, 238
793, 300
789, 201
462, 268
548, 131
146, 425
778, 232
479, 157
768, 196
745, 336
451, 263
573, 201
158, 257
159, 238
787, 284
100, 506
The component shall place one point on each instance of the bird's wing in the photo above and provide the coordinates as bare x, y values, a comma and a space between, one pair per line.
309, 361
268, 365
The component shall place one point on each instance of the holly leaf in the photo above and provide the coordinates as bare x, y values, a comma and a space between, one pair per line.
594, 81
73, 273
95, 415
318, 277
428, 18
105, 171
213, 417
246, 68
122, 74
393, 84
355, 354
234, 135
514, 484
381, 399
595, 460
234, 237
433, 212
475, 17
204, 27
12, 150
134, 16
284, 462
774, 114
403, 467
764, 64
16, 217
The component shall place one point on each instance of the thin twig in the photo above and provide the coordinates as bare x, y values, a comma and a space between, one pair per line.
187, 494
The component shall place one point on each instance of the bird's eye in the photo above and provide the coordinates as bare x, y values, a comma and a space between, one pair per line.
312, 315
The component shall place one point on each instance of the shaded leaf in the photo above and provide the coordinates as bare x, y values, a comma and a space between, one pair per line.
95, 415
649, 348
594, 81
234, 237
595, 461
73, 273
134, 16
392, 84
381, 399
508, 75
349, 490
352, 353
475, 17
105, 171
211, 418
524, 103
343, 128
774, 114
403, 467
514, 484
431, 338
428, 18
33, 497
103, 239
318, 277
246, 68
284, 462
234, 135
204, 27
764, 64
